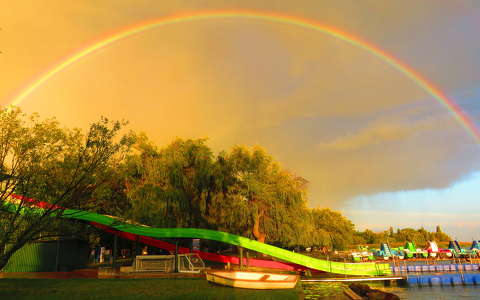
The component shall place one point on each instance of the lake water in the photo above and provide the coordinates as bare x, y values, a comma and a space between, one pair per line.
335, 291
436, 292
330, 291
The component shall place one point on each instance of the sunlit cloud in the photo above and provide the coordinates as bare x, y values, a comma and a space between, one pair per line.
374, 134
330, 112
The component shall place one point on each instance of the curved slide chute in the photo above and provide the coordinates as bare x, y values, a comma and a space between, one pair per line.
310, 262
263, 263
285, 255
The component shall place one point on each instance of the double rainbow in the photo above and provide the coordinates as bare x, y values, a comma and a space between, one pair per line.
104, 41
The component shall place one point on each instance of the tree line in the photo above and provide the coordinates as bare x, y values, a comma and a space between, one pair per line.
418, 236
107, 169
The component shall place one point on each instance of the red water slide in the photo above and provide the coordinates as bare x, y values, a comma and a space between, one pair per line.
170, 247
204, 255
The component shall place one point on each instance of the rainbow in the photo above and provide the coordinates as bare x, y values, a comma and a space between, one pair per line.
104, 41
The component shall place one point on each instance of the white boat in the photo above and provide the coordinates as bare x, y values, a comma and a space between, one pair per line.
253, 280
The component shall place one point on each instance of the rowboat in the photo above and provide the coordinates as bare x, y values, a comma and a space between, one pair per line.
253, 280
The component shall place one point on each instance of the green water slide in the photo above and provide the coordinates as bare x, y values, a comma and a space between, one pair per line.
371, 269
310, 262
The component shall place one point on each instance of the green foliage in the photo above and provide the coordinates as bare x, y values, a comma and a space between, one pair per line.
171, 187
332, 229
418, 236
243, 191
62, 167
272, 199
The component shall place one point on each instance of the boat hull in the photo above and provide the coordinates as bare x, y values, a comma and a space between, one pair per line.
253, 280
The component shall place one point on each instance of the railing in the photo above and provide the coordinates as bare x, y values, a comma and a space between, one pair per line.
186, 263
159, 263
450, 265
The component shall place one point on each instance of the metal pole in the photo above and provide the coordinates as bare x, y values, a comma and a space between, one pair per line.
406, 268
135, 247
176, 256
115, 246
460, 267
330, 264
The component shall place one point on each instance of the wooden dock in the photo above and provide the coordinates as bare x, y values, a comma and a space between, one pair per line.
355, 279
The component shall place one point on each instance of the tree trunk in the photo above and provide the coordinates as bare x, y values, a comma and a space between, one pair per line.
3, 261
260, 236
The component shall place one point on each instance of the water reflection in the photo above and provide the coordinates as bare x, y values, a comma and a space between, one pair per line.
435, 292
324, 290
334, 290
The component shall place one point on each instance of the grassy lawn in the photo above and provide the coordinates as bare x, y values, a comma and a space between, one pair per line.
138, 289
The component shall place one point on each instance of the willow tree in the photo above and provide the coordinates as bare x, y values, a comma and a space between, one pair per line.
243, 192
62, 167
171, 186
332, 228
264, 198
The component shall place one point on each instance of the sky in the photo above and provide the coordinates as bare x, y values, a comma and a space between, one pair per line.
371, 142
